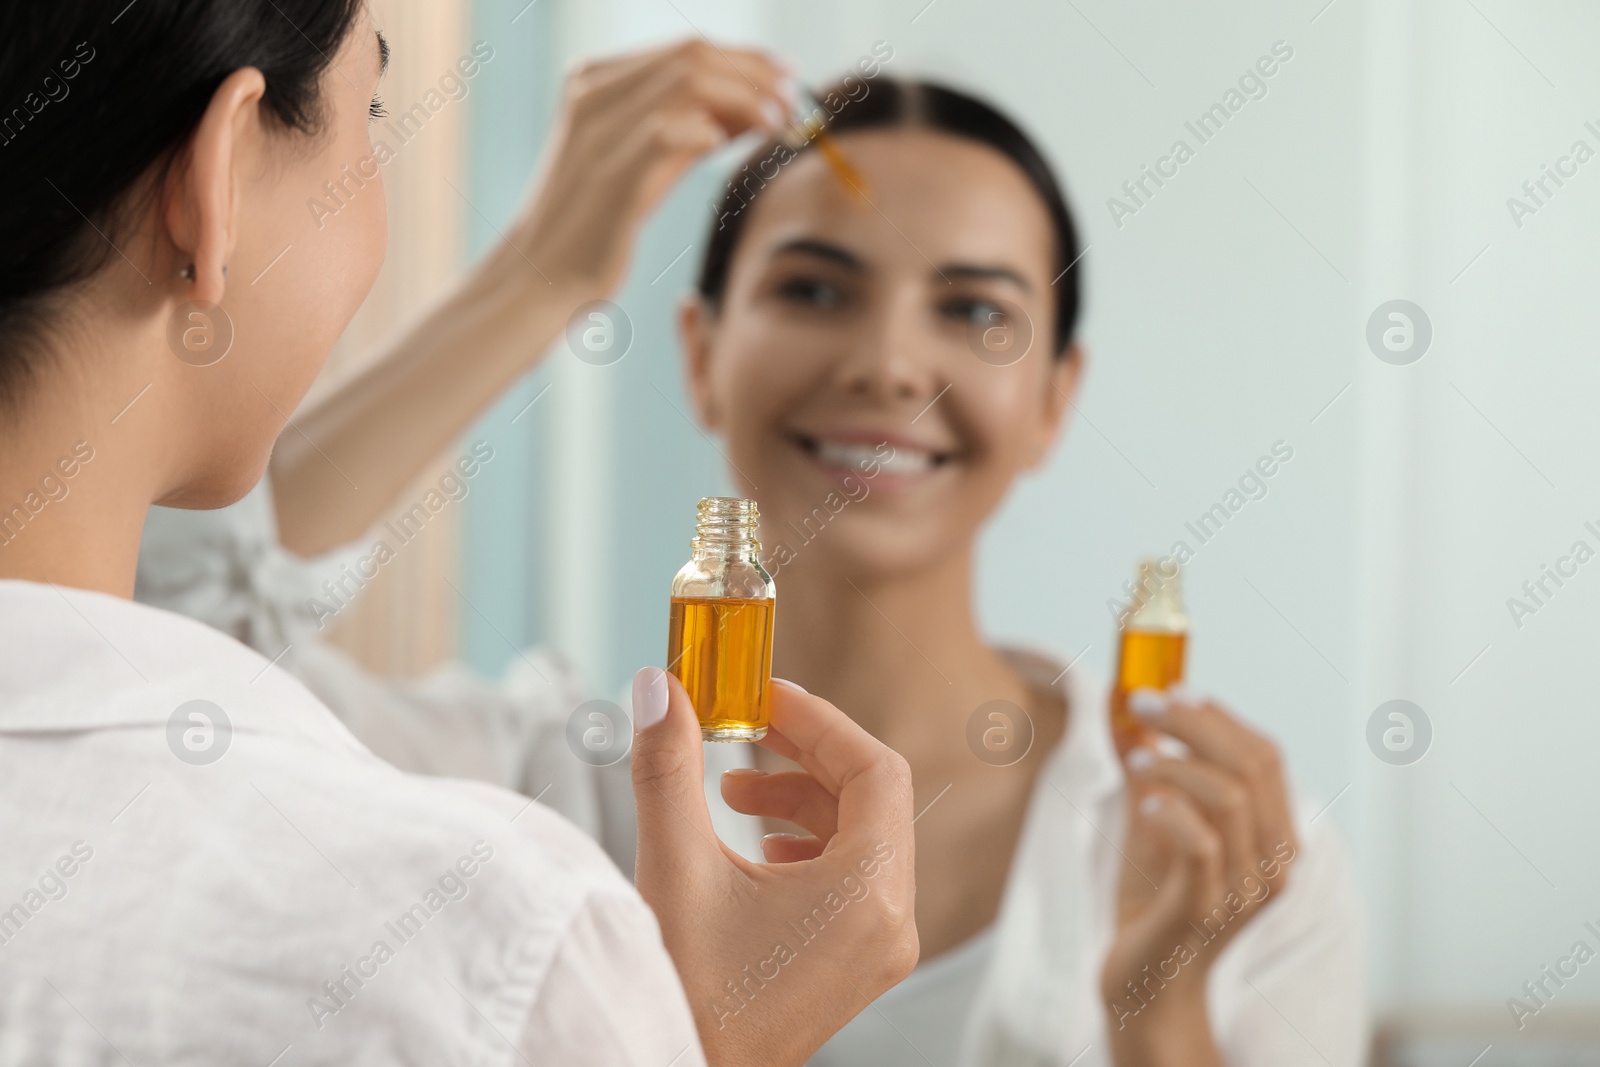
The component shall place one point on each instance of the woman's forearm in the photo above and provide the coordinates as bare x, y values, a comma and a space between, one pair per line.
348, 456
1172, 1034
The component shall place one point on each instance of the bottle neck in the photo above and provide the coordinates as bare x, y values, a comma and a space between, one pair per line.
1157, 603
745, 551
725, 529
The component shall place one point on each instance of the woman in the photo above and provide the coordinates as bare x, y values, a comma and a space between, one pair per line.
863, 349
207, 866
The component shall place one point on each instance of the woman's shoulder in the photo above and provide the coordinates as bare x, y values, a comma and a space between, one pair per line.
157, 693
218, 814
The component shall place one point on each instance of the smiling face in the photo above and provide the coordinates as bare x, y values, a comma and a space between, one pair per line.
844, 328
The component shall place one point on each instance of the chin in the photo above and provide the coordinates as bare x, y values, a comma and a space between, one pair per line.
864, 547
224, 481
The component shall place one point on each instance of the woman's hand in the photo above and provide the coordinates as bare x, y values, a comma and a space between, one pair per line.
1210, 840
628, 128
777, 956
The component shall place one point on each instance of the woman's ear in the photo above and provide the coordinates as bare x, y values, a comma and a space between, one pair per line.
697, 325
1064, 374
203, 187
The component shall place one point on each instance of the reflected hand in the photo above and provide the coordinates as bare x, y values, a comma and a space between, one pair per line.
775, 957
1210, 839
628, 128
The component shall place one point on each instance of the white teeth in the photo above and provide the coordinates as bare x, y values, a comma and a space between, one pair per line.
900, 460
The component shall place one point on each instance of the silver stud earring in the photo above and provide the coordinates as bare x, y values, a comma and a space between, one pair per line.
187, 273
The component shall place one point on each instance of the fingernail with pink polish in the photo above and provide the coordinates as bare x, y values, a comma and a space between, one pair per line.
1141, 759
791, 685
649, 698
1185, 695
1147, 702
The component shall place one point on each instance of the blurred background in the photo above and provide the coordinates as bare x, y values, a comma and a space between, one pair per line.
1239, 306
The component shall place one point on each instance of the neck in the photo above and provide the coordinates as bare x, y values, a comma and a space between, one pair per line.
74, 485
901, 655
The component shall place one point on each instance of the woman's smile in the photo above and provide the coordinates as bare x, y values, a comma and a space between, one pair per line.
889, 459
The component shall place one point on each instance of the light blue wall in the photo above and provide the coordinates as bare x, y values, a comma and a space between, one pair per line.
657, 464
662, 464
513, 102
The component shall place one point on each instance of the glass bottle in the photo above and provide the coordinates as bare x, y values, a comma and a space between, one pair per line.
1154, 633
719, 639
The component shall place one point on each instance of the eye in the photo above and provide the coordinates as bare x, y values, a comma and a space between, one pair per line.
376, 110
810, 292
970, 309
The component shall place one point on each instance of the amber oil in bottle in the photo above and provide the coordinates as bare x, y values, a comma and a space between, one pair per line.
719, 635
1154, 631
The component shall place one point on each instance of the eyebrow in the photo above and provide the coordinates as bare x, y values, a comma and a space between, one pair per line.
965, 270
383, 54
806, 246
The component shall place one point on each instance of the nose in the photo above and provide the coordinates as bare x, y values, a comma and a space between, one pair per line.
893, 359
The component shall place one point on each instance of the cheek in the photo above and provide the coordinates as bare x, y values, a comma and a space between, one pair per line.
758, 373
314, 304
354, 241
750, 404
754, 390
334, 265
1000, 414
370, 235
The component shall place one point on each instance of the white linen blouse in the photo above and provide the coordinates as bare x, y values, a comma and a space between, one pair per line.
1288, 990
200, 865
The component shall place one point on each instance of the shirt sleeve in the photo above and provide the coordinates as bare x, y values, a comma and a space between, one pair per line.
612, 996
1299, 976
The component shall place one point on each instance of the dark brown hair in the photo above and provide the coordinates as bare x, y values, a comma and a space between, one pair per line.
93, 95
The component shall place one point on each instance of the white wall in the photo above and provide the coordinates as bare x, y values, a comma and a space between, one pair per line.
1501, 483
1223, 317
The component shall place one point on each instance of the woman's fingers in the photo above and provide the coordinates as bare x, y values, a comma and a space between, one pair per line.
788, 848
1193, 883
764, 70
668, 141
1224, 800
789, 795
1208, 730
627, 179
822, 739
743, 89
870, 780
623, 75
1213, 734
668, 778
735, 101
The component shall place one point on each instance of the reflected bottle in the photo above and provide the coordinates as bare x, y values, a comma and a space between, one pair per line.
719, 638
1154, 634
